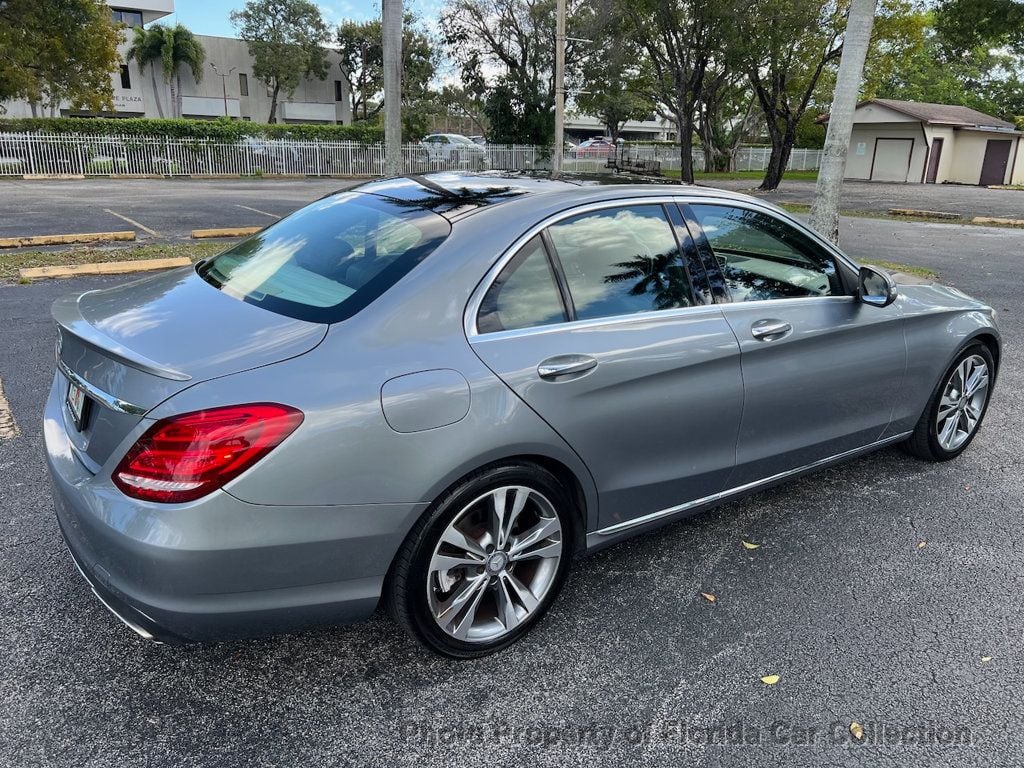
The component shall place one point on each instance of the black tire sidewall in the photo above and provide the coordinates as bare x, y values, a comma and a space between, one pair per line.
974, 348
423, 622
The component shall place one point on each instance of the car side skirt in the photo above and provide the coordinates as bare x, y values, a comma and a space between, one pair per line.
613, 533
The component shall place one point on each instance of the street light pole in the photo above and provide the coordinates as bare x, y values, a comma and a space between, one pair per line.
223, 84
556, 158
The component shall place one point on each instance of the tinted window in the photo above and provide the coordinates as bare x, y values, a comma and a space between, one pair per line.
525, 294
762, 257
621, 261
330, 259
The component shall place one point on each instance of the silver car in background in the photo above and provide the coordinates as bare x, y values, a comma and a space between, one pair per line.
436, 391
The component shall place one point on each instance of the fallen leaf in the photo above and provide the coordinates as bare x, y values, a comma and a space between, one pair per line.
709, 597
986, 658
922, 544
770, 679
748, 545
857, 730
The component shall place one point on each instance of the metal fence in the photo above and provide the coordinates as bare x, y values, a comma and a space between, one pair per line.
72, 154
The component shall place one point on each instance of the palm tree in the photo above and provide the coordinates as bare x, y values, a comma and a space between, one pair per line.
169, 48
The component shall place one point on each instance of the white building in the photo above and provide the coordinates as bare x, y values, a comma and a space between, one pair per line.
581, 127
238, 94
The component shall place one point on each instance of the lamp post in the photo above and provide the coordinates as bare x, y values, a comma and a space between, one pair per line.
223, 84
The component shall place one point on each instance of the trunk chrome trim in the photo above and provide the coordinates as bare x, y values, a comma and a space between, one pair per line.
103, 398
665, 514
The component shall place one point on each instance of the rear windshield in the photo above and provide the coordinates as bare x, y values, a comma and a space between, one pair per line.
330, 259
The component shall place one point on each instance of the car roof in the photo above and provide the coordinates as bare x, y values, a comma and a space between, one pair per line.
456, 195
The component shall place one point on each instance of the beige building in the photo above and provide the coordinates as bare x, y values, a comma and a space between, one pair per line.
915, 142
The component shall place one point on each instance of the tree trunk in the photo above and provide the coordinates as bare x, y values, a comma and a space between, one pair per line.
391, 32
156, 92
829, 187
685, 149
782, 145
35, 108
273, 103
174, 98
177, 81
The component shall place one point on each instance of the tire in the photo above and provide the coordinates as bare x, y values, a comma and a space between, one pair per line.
931, 443
478, 606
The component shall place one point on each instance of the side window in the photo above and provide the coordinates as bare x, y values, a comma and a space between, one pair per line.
621, 261
762, 257
524, 295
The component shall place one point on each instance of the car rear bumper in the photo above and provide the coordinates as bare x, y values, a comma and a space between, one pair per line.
219, 568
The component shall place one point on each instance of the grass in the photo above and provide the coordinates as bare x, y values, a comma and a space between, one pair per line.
752, 176
910, 269
12, 261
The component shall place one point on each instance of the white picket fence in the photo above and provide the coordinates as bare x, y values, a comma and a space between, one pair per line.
72, 154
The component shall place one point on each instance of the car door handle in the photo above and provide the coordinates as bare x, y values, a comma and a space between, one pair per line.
565, 365
769, 330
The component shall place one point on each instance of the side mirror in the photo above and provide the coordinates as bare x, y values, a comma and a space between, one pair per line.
875, 288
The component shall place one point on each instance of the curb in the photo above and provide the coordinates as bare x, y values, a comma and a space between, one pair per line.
199, 234
81, 237
924, 214
993, 220
102, 268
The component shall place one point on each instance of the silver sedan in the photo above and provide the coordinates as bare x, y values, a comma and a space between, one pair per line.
436, 391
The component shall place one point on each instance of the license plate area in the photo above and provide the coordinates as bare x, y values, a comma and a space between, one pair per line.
78, 405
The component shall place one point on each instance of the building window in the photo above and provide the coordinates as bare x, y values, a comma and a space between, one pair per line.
126, 17
126, 78
243, 84
337, 90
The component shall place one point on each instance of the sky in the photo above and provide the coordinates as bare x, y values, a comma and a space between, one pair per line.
210, 17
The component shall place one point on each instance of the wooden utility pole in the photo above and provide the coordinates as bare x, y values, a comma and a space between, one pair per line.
391, 31
556, 157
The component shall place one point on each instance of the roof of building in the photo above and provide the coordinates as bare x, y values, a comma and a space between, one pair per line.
942, 114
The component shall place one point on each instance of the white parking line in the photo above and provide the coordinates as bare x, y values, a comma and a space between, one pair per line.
8, 427
134, 223
257, 210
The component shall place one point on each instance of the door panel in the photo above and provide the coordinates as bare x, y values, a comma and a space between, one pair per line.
655, 420
892, 159
934, 160
993, 167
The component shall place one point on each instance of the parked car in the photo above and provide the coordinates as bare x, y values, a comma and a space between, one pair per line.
594, 148
481, 140
454, 151
437, 391
271, 155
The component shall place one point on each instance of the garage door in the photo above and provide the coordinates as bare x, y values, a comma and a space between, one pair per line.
892, 159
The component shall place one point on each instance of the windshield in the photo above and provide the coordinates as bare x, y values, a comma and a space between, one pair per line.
330, 259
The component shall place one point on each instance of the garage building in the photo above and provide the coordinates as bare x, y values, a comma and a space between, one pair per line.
916, 142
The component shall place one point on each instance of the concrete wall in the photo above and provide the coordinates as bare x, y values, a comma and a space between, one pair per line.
1018, 167
862, 147
970, 154
948, 136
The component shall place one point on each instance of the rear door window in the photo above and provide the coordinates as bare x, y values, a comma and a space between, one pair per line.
524, 295
330, 259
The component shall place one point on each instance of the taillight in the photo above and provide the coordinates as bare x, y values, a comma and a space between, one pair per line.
185, 457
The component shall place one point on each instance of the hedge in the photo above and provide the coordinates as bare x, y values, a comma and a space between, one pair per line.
211, 130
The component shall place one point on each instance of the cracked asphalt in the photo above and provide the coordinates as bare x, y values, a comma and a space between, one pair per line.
632, 667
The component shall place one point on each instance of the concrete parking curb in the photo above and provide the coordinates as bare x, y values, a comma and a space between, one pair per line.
924, 214
199, 234
995, 220
80, 237
102, 268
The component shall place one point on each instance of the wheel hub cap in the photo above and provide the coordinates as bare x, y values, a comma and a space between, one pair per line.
496, 563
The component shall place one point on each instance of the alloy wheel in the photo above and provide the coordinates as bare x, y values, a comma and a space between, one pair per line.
962, 403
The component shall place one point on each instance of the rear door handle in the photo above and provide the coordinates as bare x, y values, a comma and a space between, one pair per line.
769, 330
565, 365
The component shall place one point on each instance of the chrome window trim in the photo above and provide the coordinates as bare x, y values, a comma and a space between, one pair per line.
103, 398
476, 299
665, 514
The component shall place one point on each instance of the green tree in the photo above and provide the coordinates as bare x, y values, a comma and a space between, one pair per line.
58, 50
169, 49
967, 24
285, 39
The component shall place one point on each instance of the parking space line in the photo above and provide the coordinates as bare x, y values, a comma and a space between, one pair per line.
8, 427
257, 210
147, 230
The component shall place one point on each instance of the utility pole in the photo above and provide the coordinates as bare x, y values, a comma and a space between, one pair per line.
223, 84
556, 158
829, 187
391, 28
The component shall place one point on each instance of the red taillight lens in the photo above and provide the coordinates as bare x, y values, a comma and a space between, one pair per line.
185, 457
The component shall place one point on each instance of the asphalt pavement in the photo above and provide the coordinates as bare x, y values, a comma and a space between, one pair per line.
877, 591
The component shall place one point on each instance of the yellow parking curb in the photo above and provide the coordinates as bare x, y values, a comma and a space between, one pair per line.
993, 220
198, 234
102, 268
81, 237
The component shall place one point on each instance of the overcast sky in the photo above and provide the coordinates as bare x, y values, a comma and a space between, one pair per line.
210, 17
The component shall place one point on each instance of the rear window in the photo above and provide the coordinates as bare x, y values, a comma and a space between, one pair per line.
330, 259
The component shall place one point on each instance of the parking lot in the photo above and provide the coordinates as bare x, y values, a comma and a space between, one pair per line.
878, 589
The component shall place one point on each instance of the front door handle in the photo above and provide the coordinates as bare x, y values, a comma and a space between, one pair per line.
565, 365
769, 330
